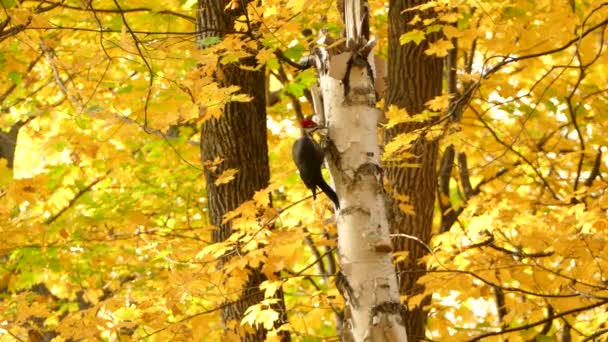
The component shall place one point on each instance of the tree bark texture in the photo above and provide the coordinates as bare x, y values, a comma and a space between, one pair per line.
8, 143
367, 277
239, 137
413, 79
368, 281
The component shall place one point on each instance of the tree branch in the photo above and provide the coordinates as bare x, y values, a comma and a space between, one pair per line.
508, 60
76, 197
540, 322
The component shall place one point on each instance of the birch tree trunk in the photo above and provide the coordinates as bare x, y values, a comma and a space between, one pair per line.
413, 79
239, 137
367, 278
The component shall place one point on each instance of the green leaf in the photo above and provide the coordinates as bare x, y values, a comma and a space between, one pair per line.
15, 77
434, 28
8, 3
208, 41
125, 89
415, 36
295, 52
511, 12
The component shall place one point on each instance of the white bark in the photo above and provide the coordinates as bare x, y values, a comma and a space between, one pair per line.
353, 158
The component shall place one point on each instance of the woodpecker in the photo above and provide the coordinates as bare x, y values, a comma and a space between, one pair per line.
308, 156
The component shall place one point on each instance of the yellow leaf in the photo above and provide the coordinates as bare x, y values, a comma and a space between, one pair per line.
439, 103
270, 287
401, 256
216, 249
415, 301
240, 98
407, 208
6, 174
251, 314
213, 164
401, 197
267, 318
325, 242
226, 176
262, 197
415, 36
260, 314
395, 116
451, 32
450, 17
264, 56
439, 48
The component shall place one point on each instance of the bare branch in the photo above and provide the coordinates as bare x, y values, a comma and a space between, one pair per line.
521, 156
141, 54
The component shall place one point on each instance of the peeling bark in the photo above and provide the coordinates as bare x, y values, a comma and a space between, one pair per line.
367, 278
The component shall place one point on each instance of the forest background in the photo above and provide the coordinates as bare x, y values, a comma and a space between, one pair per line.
115, 206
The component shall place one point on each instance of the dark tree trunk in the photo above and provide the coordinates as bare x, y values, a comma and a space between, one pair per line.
413, 79
239, 137
8, 143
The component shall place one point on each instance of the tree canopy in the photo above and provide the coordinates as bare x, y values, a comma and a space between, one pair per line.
103, 203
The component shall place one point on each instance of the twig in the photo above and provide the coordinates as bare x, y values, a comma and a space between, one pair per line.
76, 197
540, 322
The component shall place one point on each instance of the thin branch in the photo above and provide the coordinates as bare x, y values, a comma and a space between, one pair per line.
540, 322
76, 197
448, 215
489, 242
595, 335
141, 54
549, 323
28, 70
572, 113
151, 33
281, 56
521, 156
508, 60
4, 34
501, 306
520, 254
111, 10
282, 77
465, 178
597, 164
315, 252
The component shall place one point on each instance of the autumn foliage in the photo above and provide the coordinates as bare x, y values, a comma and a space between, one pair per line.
103, 214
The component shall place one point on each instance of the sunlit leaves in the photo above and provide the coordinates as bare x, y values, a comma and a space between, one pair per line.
439, 48
226, 176
136, 250
261, 314
415, 36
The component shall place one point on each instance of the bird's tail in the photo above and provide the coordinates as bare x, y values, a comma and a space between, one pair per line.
330, 193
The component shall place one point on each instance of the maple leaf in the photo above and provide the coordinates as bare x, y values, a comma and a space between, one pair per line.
414, 35
226, 177
439, 48
439, 103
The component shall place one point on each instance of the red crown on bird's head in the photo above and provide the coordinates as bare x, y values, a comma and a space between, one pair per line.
307, 123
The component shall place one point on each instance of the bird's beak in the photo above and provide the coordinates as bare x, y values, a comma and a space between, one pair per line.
312, 129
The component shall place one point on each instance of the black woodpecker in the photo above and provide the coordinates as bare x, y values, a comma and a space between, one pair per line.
308, 156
